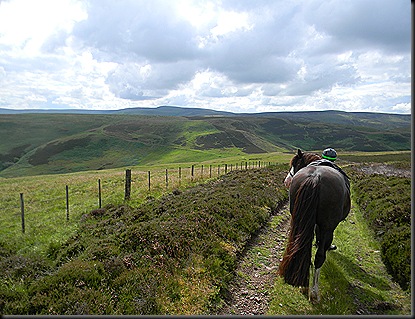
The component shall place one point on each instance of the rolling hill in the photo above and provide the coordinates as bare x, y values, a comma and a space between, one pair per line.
66, 141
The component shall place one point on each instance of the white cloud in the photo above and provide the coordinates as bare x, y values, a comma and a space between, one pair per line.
223, 54
26, 25
2, 73
401, 108
230, 22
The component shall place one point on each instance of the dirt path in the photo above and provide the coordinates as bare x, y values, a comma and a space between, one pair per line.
387, 170
257, 269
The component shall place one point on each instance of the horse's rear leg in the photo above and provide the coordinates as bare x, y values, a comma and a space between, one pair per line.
324, 243
314, 293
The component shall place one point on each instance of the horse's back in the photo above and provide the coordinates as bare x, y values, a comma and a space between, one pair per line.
330, 179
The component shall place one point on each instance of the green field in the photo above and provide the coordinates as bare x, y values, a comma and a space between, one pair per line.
45, 195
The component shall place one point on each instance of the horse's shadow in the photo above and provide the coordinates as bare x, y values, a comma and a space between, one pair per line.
352, 269
366, 301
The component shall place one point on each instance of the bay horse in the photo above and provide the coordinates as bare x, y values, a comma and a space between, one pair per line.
319, 201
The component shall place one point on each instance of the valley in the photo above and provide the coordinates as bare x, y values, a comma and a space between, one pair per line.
56, 143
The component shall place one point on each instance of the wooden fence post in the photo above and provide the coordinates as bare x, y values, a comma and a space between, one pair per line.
127, 184
210, 171
22, 211
67, 202
180, 175
99, 193
149, 181
167, 179
193, 171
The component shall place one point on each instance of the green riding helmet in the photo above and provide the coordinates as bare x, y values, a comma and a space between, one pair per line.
329, 154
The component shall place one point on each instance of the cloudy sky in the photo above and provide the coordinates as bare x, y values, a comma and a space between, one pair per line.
233, 55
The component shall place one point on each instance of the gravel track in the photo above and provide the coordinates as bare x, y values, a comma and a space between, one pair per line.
258, 267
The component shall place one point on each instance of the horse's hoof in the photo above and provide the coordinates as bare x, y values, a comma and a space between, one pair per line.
314, 297
332, 247
315, 300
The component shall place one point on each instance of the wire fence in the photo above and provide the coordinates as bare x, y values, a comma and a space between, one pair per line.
57, 203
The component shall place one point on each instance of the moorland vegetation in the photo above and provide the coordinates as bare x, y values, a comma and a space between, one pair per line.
386, 203
176, 254
171, 255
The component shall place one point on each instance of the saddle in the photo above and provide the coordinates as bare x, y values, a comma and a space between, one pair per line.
324, 162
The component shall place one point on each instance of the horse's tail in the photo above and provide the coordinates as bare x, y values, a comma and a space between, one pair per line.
295, 265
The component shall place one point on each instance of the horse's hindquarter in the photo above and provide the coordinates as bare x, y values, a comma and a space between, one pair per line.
334, 196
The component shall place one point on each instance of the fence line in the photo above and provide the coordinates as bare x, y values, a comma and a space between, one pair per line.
67, 202
99, 194
129, 180
22, 212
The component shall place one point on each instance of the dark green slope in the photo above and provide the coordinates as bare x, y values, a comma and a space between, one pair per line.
364, 119
22, 133
300, 133
68, 143
60, 143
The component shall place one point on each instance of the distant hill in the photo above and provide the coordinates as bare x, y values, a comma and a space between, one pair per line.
53, 111
366, 119
330, 116
173, 111
65, 141
160, 110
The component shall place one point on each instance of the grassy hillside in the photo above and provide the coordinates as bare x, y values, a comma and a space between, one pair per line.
45, 203
292, 134
55, 143
174, 254
363, 119
35, 144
